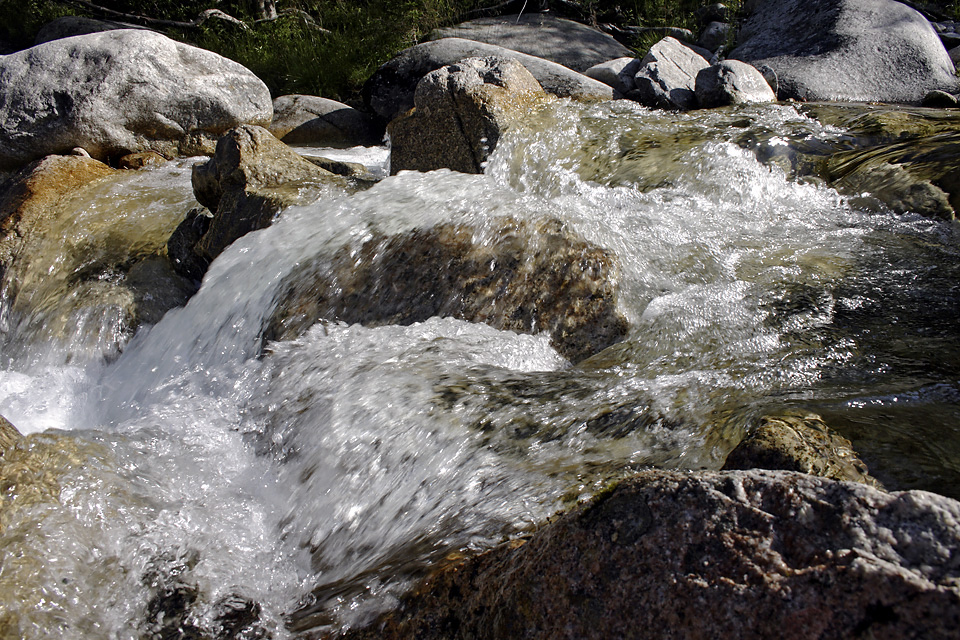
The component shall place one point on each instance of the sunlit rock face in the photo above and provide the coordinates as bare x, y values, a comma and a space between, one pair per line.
248, 181
122, 91
863, 50
519, 276
460, 112
735, 554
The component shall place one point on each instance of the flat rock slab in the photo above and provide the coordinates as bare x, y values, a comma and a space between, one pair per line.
122, 91
847, 50
390, 90
565, 42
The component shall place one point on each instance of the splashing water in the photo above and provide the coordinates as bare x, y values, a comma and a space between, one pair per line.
200, 477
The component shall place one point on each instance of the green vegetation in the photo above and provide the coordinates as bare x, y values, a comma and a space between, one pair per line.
329, 47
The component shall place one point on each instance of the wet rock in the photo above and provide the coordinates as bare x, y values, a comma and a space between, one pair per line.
740, 554
32, 197
862, 50
311, 120
939, 100
565, 42
141, 160
667, 76
248, 181
354, 170
156, 288
800, 441
731, 82
460, 112
919, 175
9, 435
119, 92
516, 276
390, 91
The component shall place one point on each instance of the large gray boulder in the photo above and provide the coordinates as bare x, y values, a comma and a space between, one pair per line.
312, 120
740, 554
122, 91
461, 111
862, 50
565, 42
390, 90
667, 76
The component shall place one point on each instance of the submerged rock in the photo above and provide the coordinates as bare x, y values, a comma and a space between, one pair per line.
461, 111
311, 120
862, 50
565, 42
741, 554
516, 276
799, 441
248, 181
390, 91
122, 91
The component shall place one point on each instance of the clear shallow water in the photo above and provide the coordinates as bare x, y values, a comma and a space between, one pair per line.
318, 477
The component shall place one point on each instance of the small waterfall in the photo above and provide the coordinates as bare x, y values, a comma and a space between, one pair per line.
201, 474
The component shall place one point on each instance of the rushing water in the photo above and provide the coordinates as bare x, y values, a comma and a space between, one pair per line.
202, 481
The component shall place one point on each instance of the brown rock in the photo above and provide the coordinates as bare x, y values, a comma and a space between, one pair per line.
32, 195
250, 179
459, 114
742, 554
522, 277
800, 441
141, 160
9, 435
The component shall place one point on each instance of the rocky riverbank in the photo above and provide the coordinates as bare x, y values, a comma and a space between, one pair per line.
792, 538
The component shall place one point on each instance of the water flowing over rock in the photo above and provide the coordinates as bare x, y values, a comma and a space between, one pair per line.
248, 181
390, 91
312, 120
565, 42
460, 112
731, 82
800, 441
863, 50
667, 76
60, 275
122, 91
755, 554
517, 276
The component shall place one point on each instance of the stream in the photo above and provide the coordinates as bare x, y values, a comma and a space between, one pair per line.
194, 478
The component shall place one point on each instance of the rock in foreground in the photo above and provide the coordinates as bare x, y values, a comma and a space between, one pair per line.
122, 91
755, 554
862, 50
